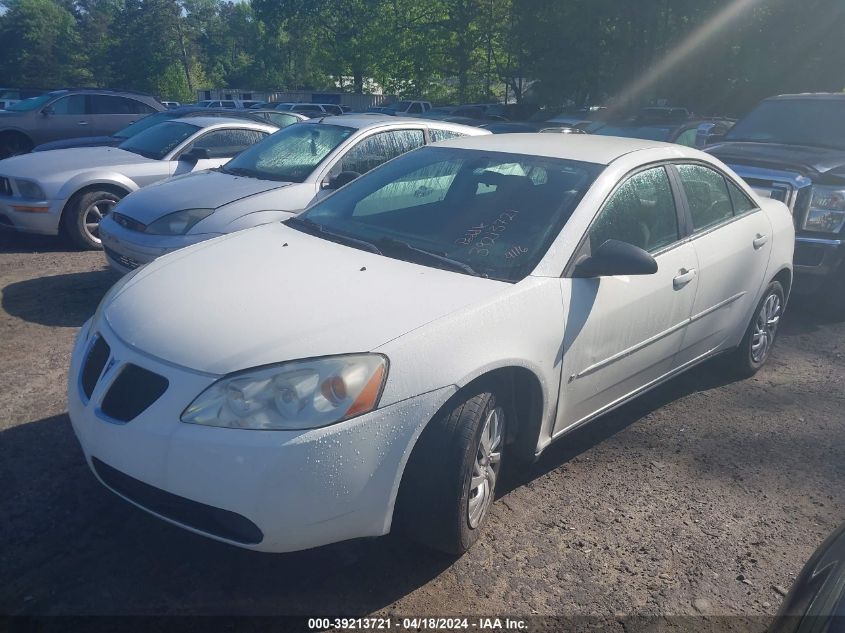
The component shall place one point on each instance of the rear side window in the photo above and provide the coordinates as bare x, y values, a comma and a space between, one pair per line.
111, 104
741, 202
443, 135
707, 194
640, 212
225, 143
379, 148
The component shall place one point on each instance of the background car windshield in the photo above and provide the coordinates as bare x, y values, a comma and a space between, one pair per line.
291, 154
648, 132
496, 213
814, 122
142, 124
30, 104
159, 140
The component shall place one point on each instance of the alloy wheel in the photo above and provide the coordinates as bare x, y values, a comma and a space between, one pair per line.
765, 328
485, 469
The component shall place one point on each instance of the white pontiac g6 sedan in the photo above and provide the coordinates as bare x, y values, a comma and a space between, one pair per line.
369, 363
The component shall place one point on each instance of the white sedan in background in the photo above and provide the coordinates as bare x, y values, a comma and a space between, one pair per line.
270, 182
371, 362
72, 190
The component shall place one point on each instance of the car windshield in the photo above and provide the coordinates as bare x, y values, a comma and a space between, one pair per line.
814, 122
291, 154
482, 213
159, 140
649, 132
27, 105
400, 106
142, 124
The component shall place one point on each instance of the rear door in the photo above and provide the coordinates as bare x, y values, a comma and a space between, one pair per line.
111, 113
732, 240
623, 333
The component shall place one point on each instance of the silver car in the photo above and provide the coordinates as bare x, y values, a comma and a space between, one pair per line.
71, 190
270, 181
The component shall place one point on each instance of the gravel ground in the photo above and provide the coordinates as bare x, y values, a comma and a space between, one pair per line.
705, 496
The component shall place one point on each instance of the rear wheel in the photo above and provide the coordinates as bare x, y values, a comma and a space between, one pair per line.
14, 143
81, 219
450, 480
756, 345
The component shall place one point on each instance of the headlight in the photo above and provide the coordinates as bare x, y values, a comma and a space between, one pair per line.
30, 189
302, 394
178, 223
827, 210
118, 285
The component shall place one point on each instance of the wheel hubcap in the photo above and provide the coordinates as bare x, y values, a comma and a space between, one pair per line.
485, 469
92, 216
765, 327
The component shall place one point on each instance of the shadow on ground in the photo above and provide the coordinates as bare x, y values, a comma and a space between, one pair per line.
14, 242
61, 300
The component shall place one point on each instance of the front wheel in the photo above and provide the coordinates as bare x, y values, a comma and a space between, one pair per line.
450, 480
81, 219
756, 345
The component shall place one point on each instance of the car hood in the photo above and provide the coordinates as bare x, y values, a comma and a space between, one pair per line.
818, 163
272, 293
61, 160
83, 141
199, 190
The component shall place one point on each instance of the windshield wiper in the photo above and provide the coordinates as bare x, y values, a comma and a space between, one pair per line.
238, 171
319, 229
434, 257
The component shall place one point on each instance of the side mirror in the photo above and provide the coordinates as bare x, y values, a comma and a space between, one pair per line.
196, 154
615, 258
343, 178
47, 111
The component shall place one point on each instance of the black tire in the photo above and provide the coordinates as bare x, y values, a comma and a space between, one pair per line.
13, 144
80, 213
830, 301
747, 359
434, 500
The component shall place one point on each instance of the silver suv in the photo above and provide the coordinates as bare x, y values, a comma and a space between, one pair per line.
65, 114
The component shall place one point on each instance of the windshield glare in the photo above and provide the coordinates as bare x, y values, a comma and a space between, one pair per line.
291, 154
27, 105
159, 140
815, 122
494, 212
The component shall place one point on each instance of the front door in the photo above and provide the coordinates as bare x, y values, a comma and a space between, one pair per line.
623, 333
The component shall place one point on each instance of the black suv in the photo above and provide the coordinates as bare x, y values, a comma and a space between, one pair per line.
70, 113
792, 148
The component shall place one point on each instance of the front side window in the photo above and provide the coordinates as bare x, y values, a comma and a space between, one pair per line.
73, 104
290, 155
707, 195
741, 202
488, 214
640, 212
158, 141
379, 148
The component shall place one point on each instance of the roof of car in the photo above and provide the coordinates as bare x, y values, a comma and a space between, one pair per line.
374, 119
209, 121
583, 147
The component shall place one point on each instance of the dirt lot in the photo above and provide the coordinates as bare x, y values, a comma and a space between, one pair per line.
704, 496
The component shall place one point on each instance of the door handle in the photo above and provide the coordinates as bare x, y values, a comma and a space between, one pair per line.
683, 277
760, 240
83, 123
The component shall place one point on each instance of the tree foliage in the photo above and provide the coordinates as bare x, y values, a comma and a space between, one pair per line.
711, 55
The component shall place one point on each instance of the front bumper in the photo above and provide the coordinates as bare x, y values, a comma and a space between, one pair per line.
126, 250
815, 259
299, 489
28, 216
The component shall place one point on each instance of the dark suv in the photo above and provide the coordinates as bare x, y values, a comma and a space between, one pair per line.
792, 148
70, 113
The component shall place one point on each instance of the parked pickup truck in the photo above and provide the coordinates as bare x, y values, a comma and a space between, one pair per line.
792, 148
